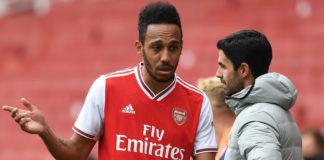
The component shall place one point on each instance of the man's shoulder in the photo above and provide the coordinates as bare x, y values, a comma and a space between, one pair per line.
259, 112
119, 73
117, 77
188, 88
264, 109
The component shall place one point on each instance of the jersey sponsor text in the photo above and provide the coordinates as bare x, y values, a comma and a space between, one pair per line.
144, 146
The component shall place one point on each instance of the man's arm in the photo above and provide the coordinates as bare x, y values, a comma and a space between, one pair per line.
205, 156
75, 148
32, 121
205, 141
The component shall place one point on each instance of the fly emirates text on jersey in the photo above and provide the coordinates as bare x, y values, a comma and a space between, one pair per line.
144, 146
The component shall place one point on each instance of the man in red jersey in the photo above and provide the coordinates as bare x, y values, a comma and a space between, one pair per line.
144, 112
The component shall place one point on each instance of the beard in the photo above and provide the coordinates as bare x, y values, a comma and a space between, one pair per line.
232, 86
234, 89
154, 76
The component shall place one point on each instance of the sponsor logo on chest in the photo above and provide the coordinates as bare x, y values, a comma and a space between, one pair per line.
148, 147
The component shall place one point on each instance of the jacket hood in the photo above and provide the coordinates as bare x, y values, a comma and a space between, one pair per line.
271, 88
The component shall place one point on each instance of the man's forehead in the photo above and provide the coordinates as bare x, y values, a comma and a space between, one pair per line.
161, 26
222, 58
221, 55
159, 40
163, 31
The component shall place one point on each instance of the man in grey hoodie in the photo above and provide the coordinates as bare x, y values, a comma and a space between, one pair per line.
264, 129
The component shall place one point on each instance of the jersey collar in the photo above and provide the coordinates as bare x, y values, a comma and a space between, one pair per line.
146, 89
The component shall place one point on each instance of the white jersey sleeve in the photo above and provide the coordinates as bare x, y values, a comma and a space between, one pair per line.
89, 123
205, 139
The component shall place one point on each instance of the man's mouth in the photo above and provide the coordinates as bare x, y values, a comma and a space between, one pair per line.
165, 70
222, 81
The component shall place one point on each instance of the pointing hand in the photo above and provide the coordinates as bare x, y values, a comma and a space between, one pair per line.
31, 120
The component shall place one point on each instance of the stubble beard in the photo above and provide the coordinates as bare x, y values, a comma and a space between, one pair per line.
235, 87
148, 68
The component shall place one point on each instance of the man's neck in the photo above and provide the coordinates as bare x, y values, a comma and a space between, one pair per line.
154, 85
248, 81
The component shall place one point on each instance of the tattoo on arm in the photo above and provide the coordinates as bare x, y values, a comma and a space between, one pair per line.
63, 141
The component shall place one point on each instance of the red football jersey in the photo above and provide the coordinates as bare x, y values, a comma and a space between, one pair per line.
131, 122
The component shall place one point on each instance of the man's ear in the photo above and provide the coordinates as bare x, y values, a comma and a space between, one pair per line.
244, 70
139, 48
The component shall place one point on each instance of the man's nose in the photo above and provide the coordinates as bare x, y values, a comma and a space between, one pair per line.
165, 55
218, 73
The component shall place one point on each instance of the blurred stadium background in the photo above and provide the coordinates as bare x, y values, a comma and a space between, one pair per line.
52, 50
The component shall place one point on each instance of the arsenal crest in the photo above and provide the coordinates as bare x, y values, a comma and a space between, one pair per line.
179, 116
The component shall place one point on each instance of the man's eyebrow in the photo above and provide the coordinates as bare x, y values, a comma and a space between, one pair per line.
156, 42
175, 42
221, 64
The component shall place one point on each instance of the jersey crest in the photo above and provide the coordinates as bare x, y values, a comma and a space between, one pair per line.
179, 116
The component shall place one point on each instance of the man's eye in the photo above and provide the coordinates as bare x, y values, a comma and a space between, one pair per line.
173, 48
156, 48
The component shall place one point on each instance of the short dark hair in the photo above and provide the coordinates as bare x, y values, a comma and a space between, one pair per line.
248, 46
157, 13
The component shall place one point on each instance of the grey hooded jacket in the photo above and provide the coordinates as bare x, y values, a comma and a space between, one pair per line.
264, 129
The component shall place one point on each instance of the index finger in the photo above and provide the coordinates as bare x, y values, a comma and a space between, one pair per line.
8, 108
27, 104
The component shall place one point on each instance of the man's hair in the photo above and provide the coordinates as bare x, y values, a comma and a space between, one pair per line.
318, 137
248, 46
157, 13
